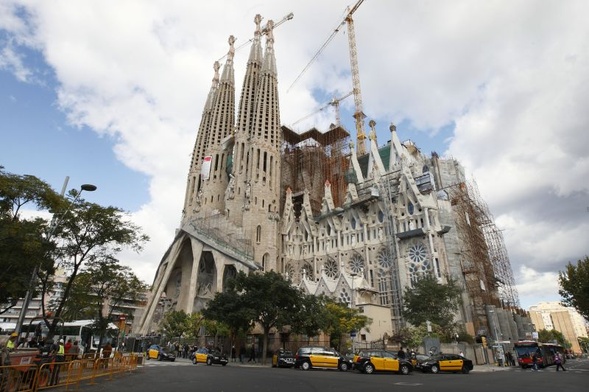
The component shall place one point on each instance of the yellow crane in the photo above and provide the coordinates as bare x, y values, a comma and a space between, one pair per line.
359, 113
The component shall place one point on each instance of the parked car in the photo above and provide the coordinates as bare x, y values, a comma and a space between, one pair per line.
417, 359
310, 356
210, 357
447, 363
158, 352
283, 358
371, 361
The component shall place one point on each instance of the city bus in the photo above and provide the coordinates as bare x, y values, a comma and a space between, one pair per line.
83, 332
525, 349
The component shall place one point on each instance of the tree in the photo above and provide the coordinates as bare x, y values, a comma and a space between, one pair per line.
100, 289
341, 320
266, 299
311, 317
549, 336
430, 300
175, 323
87, 232
230, 308
574, 286
23, 245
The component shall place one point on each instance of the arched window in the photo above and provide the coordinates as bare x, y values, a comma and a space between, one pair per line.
258, 234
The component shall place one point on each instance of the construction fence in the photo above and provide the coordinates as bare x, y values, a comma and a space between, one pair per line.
69, 374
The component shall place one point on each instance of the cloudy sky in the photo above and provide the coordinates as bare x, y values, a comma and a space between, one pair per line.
111, 93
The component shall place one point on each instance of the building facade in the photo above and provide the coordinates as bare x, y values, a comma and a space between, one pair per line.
552, 315
261, 196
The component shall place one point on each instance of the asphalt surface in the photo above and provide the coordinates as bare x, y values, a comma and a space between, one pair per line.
182, 375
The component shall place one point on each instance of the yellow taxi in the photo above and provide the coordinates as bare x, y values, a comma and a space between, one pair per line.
321, 357
447, 363
371, 361
156, 351
200, 355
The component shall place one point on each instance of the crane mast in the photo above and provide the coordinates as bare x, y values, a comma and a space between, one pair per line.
359, 113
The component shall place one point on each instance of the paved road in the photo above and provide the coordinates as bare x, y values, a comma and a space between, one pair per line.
182, 376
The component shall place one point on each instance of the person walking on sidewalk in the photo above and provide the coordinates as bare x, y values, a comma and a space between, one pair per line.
558, 361
253, 354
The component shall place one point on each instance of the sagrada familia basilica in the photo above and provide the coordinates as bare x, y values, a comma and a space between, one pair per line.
359, 223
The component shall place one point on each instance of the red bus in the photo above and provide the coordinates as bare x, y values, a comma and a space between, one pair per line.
525, 349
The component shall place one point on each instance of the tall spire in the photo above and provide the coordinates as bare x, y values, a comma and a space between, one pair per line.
241, 152
193, 182
221, 126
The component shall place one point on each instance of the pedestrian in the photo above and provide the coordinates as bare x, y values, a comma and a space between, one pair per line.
252, 354
535, 362
10, 345
401, 353
58, 352
68, 346
558, 360
233, 353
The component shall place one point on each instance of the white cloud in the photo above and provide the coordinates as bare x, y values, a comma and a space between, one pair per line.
513, 79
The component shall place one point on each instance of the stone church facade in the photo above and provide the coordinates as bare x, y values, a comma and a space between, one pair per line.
261, 196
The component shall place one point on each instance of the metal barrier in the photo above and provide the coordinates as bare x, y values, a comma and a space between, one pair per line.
37, 377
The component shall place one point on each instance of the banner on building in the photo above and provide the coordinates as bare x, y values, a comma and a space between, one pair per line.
205, 169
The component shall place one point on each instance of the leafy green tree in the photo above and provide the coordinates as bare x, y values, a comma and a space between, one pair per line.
87, 232
311, 317
549, 336
230, 308
23, 241
574, 286
341, 320
430, 300
102, 288
195, 322
175, 323
266, 299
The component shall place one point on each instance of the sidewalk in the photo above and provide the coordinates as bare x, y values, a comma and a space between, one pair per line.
492, 367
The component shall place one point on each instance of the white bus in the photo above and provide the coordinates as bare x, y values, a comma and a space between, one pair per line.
82, 332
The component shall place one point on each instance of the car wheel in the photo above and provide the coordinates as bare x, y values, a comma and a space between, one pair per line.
404, 370
223, 364
194, 361
343, 367
435, 369
173, 360
369, 368
465, 369
306, 365
159, 357
209, 361
148, 358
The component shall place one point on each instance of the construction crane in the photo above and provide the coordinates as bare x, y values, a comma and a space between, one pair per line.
359, 113
334, 102
264, 31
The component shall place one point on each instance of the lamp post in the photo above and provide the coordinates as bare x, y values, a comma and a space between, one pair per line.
54, 223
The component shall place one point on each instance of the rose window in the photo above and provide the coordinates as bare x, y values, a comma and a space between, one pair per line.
384, 259
356, 263
418, 264
418, 253
331, 269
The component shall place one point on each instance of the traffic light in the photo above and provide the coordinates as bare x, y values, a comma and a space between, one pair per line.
484, 341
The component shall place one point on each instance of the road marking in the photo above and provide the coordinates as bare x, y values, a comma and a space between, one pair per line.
410, 384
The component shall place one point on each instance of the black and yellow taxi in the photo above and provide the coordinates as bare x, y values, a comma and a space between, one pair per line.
370, 361
208, 356
156, 351
447, 363
309, 357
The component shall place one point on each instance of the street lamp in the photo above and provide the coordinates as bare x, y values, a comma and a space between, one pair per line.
52, 227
